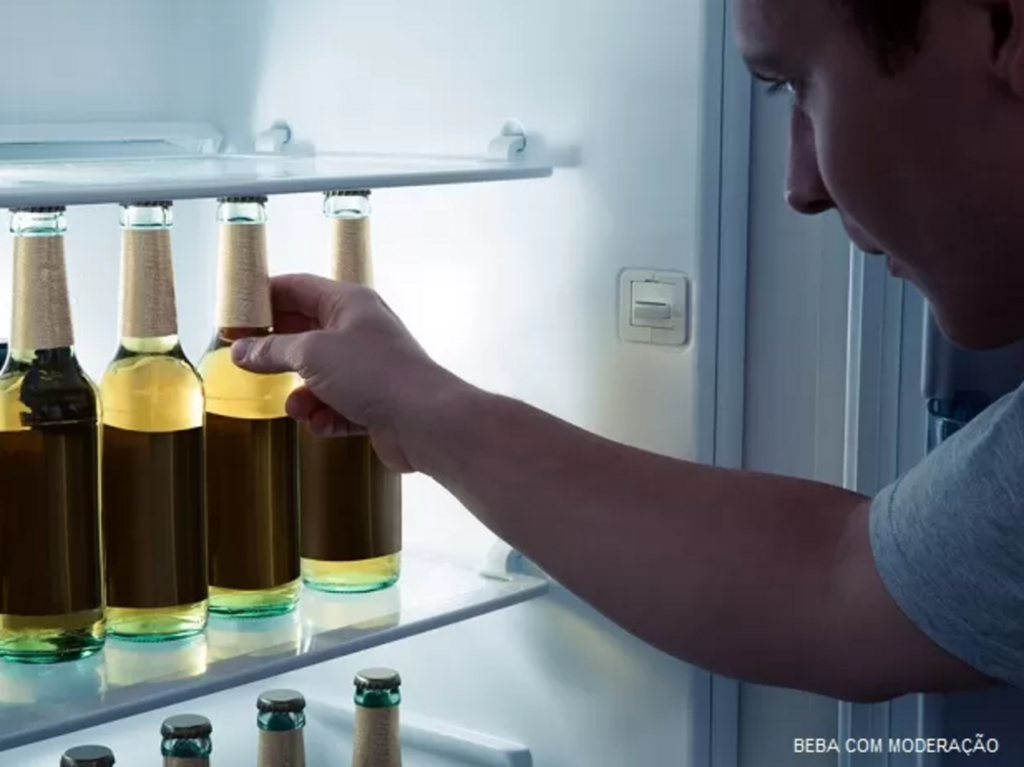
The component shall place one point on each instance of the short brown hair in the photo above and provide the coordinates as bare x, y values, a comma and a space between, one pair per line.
892, 29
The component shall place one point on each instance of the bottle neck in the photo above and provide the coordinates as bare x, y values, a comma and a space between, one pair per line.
243, 282
281, 721
41, 312
148, 311
378, 698
186, 749
350, 249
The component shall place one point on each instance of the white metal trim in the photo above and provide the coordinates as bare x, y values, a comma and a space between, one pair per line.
726, 110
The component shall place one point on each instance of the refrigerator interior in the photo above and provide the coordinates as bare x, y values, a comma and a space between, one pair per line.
513, 285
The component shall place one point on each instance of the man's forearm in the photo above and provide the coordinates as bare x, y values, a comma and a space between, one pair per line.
728, 570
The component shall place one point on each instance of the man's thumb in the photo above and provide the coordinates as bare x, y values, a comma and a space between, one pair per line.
272, 354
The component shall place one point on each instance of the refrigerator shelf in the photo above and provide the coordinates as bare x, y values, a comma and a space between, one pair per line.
181, 177
41, 702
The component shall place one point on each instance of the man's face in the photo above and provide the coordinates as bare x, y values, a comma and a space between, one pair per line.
926, 167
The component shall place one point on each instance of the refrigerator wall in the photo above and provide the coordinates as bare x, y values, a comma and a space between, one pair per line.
513, 286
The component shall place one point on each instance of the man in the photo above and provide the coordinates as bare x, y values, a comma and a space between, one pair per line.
907, 117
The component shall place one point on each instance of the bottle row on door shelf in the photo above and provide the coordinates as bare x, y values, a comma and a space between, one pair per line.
213, 499
187, 739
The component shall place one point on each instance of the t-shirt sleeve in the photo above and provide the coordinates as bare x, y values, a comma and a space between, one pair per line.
948, 542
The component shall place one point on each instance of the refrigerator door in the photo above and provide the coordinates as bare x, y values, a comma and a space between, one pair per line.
512, 286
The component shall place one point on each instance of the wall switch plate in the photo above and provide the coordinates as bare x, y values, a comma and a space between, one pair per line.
654, 307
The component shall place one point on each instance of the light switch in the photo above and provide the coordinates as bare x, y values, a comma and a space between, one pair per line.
652, 304
653, 307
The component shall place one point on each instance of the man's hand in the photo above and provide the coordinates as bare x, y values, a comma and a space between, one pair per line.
363, 370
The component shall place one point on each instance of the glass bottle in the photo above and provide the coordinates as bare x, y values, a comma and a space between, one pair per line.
377, 742
350, 502
186, 741
251, 453
87, 756
51, 603
281, 721
154, 525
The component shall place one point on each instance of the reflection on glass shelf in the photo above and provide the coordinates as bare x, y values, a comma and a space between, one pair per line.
131, 663
39, 702
113, 180
232, 638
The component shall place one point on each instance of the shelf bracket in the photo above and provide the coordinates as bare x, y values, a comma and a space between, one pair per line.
510, 144
274, 139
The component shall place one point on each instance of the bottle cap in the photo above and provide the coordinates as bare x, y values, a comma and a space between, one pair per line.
348, 193
148, 204
42, 209
262, 199
186, 726
377, 679
281, 701
87, 756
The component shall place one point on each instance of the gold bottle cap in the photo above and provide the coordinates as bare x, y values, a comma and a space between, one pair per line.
281, 701
377, 679
186, 726
87, 756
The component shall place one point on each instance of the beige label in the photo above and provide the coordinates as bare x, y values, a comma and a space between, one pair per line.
282, 749
243, 284
376, 741
147, 299
351, 249
191, 761
41, 316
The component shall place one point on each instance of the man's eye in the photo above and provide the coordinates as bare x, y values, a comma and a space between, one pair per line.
779, 86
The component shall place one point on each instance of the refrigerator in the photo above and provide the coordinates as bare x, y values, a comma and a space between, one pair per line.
577, 204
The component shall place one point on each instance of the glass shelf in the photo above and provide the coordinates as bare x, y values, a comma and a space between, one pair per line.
25, 182
41, 702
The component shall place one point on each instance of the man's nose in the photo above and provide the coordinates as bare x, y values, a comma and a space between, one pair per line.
805, 190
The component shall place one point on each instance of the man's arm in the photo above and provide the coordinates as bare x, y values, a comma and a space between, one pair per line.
757, 577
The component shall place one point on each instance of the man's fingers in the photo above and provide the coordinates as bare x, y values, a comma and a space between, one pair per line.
292, 322
301, 404
327, 423
270, 354
307, 295
304, 406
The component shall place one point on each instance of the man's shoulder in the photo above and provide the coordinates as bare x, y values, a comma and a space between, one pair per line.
948, 541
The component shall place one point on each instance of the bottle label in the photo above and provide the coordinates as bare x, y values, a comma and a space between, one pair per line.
376, 742
351, 248
351, 500
147, 309
243, 299
282, 748
163, 474
42, 314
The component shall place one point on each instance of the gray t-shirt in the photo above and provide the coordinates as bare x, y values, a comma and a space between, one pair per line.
948, 541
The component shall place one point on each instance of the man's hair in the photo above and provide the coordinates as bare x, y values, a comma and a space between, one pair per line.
892, 29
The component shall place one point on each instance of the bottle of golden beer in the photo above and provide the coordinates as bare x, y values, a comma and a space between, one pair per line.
186, 741
154, 498
350, 501
377, 741
281, 722
51, 603
251, 450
